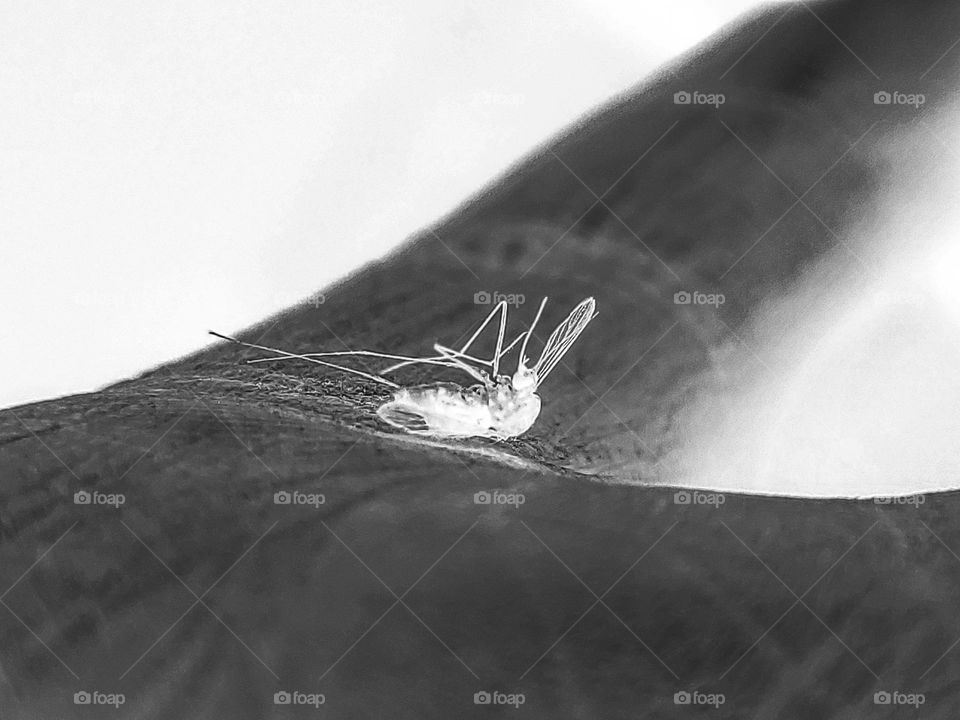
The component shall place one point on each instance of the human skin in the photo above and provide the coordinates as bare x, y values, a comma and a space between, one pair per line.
601, 595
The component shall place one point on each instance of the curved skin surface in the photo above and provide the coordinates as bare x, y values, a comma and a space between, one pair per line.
421, 578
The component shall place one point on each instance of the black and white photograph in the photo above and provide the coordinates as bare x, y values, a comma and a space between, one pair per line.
585, 359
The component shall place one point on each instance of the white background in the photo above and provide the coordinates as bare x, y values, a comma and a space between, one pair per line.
174, 167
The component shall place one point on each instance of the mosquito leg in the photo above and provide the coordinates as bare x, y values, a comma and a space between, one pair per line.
366, 353
500, 334
445, 360
285, 354
462, 365
500, 307
437, 359
447, 352
510, 347
442, 360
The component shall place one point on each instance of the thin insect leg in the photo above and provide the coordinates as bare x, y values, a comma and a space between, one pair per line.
365, 353
442, 360
436, 358
523, 349
447, 353
500, 333
375, 378
510, 347
450, 351
462, 365
499, 307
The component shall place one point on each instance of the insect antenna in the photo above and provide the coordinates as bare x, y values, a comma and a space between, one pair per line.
523, 349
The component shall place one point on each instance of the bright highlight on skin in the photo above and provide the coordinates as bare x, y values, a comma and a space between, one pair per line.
497, 407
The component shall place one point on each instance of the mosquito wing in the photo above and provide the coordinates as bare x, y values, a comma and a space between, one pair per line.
563, 337
439, 409
405, 417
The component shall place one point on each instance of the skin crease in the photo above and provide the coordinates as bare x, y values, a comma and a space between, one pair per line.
421, 579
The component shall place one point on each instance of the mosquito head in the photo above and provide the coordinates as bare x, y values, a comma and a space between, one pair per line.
524, 379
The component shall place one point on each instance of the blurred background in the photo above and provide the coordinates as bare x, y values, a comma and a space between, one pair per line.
173, 168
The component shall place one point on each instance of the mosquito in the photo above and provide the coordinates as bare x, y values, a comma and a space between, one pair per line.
498, 406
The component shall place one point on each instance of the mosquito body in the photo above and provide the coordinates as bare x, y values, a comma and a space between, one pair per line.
494, 410
498, 406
